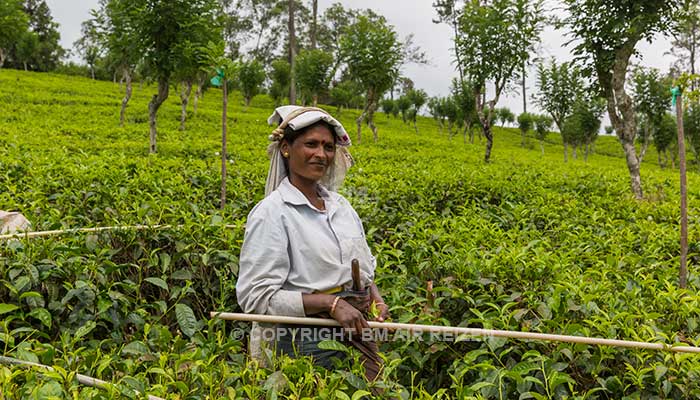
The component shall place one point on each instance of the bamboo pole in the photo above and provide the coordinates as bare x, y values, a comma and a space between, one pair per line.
82, 379
453, 330
32, 235
683, 274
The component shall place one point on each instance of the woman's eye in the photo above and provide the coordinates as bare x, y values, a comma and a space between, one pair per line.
330, 148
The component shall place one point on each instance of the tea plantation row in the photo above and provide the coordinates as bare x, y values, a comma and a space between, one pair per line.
524, 243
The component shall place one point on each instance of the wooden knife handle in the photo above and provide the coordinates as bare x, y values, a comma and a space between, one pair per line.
356, 283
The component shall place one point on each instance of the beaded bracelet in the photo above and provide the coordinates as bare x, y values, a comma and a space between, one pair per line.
335, 303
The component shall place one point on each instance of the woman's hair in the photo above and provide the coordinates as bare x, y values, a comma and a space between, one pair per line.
290, 135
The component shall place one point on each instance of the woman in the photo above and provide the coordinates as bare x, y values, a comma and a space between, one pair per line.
300, 240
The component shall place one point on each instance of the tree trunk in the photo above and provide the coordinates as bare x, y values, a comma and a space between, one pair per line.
198, 94
314, 100
292, 55
92, 73
370, 119
449, 129
489, 140
25, 66
621, 111
633, 167
360, 119
658, 155
314, 26
524, 93
414, 125
471, 135
127, 96
224, 131
588, 148
566, 152
441, 125
2, 57
542, 147
153, 106
645, 143
574, 152
185, 99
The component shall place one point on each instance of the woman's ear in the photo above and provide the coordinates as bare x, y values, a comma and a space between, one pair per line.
284, 148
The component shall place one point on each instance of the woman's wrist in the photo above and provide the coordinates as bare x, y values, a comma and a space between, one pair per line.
333, 306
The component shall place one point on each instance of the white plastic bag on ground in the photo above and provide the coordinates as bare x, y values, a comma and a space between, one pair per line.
12, 222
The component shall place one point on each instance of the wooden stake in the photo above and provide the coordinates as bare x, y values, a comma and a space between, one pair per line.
683, 278
224, 131
452, 330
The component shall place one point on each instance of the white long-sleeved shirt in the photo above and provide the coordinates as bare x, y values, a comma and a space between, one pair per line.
290, 247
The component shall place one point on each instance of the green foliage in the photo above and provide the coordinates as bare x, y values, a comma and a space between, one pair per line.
46, 50
543, 124
403, 103
666, 133
494, 42
13, 25
505, 116
558, 87
280, 77
313, 69
389, 107
524, 243
251, 76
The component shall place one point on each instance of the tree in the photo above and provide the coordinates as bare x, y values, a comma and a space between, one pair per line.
607, 32
251, 76
651, 99
159, 26
403, 103
495, 39
543, 123
417, 97
558, 88
346, 93
463, 97
664, 137
582, 126
691, 128
121, 35
90, 44
193, 60
333, 26
279, 75
436, 109
373, 56
684, 43
13, 25
449, 12
388, 106
525, 123
47, 52
505, 116
313, 72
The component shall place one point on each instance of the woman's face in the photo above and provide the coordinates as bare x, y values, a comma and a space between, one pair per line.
311, 154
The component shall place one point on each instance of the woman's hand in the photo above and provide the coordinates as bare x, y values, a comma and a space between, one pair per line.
383, 312
378, 302
349, 317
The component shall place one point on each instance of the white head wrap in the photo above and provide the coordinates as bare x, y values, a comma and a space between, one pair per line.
297, 118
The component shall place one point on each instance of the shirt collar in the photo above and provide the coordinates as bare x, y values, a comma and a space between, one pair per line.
290, 194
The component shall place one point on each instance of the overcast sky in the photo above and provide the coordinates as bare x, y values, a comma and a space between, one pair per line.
408, 16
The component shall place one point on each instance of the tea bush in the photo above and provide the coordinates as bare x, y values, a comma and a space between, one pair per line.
526, 242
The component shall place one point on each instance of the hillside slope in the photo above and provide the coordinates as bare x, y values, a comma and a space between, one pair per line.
526, 242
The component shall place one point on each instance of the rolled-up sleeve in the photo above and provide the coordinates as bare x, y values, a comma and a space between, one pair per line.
264, 266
